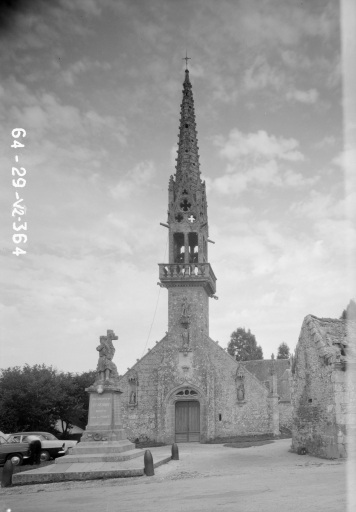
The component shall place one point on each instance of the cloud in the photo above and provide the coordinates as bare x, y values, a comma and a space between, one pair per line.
257, 159
82, 66
261, 75
327, 141
307, 97
134, 181
259, 144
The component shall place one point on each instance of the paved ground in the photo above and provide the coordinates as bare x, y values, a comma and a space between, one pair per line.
207, 478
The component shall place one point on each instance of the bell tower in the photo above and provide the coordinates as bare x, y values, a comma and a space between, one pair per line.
188, 275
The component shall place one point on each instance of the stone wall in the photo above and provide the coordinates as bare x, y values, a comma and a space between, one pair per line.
251, 416
285, 414
322, 403
212, 375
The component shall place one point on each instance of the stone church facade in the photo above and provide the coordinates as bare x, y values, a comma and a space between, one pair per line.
187, 388
324, 388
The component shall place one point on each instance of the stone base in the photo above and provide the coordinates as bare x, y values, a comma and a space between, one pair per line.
91, 470
100, 457
103, 451
94, 435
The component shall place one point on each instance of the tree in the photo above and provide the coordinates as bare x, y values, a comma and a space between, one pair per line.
243, 345
36, 397
350, 312
283, 351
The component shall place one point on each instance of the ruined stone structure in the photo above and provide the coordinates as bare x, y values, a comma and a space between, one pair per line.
324, 391
187, 388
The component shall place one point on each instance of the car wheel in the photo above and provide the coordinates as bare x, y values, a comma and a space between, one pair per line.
44, 456
16, 459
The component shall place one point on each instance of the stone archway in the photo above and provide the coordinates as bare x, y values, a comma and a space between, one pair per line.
184, 393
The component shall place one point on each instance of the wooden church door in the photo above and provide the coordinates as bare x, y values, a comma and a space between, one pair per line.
187, 422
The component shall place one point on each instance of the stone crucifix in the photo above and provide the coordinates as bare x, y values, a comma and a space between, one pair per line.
106, 369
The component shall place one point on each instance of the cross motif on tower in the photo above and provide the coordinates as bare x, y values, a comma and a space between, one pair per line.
186, 58
191, 218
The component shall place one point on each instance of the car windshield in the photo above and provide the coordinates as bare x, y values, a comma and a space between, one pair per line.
2, 440
49, 437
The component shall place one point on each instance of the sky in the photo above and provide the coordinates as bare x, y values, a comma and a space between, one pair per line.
97, 87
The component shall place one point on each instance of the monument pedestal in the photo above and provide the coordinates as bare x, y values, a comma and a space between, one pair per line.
104, 439
104, 420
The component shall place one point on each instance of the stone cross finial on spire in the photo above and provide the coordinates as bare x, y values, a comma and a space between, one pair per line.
186, 58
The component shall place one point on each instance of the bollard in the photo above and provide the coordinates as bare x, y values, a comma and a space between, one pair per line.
175, 452
8, 469
35, 451
38, 454
148, 461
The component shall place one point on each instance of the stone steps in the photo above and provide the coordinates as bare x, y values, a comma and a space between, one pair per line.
90, 470
100, 457
102, 447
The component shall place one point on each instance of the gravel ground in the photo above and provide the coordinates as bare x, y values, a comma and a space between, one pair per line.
261, 478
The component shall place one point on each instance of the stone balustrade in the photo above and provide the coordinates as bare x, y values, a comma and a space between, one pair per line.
169, 272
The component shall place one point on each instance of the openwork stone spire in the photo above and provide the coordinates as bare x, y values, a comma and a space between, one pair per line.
187, 167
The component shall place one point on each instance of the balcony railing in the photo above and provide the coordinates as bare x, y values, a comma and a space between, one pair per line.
193, 271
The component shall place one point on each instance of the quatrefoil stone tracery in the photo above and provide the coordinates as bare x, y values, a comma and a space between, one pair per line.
185, 205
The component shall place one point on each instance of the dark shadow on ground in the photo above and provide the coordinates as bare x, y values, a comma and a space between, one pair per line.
247, 445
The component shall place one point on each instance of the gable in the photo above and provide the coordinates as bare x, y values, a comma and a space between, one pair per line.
334, 339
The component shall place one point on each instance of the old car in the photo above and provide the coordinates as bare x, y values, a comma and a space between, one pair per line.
51, 447
17, 451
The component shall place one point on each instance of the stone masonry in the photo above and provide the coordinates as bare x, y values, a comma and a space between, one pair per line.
187, 387
324, 392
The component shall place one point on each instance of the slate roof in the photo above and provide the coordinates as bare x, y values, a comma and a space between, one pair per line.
260, 368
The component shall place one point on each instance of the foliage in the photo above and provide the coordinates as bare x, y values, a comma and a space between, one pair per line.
283, 351
350, 312
243, 345
36, 397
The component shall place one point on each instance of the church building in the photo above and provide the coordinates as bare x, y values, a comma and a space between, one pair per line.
187, 388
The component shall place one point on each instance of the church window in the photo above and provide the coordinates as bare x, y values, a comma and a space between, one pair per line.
220, 417
185, 205
178, 244
179, 217
187, 125
187, 392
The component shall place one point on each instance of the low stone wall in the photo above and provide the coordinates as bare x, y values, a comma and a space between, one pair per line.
285, 414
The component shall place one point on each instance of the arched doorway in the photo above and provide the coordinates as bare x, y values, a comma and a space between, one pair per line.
187, 424
188, 392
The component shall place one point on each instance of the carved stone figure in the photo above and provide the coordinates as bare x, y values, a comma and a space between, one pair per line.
185, 339
241, 393
106, 369
132, 397
185, 317
185, 307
